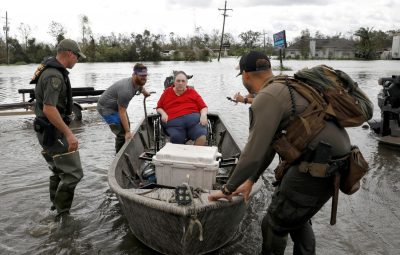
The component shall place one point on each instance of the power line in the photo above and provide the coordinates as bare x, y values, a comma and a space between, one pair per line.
223, 28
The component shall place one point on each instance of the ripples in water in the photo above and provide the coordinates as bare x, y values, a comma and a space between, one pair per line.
367, 221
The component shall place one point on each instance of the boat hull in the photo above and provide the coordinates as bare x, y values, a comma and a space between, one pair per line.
168, 233
164, 226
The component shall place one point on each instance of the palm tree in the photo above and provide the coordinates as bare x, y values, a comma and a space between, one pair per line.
365, 45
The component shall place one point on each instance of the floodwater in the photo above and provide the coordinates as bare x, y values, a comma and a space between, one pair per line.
368, 221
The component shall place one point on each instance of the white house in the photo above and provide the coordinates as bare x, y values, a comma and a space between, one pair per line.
337, 48
396, 47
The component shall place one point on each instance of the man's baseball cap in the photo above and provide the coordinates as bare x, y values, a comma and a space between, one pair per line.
140, 69
254, 61
70, 45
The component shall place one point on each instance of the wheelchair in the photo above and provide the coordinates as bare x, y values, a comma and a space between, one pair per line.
161, 136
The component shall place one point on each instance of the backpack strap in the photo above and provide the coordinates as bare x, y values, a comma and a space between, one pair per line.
292, 99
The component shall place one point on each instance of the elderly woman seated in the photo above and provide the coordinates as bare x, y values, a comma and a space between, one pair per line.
183, 112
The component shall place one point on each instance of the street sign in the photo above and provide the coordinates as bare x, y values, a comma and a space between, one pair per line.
226, 45
280, 39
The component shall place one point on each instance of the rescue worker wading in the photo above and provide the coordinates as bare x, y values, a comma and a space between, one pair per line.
299, 195
53, 106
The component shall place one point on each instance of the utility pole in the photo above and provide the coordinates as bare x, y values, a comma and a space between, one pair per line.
223, 28
6, 28
264, 40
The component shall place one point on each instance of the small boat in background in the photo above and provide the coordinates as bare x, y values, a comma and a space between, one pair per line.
83, 99
173, 215
387, 129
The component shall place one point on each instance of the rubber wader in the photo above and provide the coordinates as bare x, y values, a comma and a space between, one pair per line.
70, 165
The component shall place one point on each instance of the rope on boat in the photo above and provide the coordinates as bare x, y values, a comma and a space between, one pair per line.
193, 219
172, 196
197, 194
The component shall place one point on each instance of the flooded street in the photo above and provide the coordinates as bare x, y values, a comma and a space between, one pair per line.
367, 222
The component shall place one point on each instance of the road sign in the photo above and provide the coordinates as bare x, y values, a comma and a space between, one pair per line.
226, 45
280, 39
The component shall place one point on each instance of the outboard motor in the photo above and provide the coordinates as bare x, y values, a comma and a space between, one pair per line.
389, 103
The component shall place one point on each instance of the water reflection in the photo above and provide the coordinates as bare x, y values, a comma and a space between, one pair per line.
91, 78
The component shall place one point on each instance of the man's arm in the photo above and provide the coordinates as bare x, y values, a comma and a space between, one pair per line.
124, 122
258, 153
145, 92
54, 117
248, 99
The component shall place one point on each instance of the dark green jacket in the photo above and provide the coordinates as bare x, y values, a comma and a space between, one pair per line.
269, 114
53, 87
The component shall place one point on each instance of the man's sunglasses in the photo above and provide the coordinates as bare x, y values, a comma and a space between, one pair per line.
76, 54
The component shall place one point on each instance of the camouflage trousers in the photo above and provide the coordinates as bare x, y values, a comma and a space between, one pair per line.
295, 201
66, 172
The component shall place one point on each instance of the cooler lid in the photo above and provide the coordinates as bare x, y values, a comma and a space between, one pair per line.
189, 154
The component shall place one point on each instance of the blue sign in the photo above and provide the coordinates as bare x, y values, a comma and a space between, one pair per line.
280, 39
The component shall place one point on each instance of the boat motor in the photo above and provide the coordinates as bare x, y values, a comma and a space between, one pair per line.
389, 104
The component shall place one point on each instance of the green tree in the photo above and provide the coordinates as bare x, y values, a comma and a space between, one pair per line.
17, 53
37, 52
365, 45
305, 43
250, 39
2, 51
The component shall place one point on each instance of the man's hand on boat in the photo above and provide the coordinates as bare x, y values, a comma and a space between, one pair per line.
217, 195
146, 93
128, 135
244, 190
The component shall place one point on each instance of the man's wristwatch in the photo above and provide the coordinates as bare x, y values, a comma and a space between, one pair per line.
225, 191
246, 100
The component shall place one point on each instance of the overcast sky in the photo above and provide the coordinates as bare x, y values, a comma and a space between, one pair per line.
330, 17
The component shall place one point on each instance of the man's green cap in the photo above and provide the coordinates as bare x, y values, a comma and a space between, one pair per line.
70, 45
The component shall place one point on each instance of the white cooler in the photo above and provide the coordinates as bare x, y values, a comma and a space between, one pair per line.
176, 162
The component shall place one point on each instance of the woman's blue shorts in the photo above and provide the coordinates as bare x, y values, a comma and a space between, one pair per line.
186, 127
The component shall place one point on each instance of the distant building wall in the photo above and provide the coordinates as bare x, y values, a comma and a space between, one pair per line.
313, 44
396, 47
292, 53
323, 49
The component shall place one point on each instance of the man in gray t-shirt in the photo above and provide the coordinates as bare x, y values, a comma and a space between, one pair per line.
114, 101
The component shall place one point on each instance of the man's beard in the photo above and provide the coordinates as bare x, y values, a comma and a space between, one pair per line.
140, 82
248, 87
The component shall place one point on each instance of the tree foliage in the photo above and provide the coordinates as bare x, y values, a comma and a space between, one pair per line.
251, 39
57, 31
147, 46
25, 31
371, 42
365, 44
